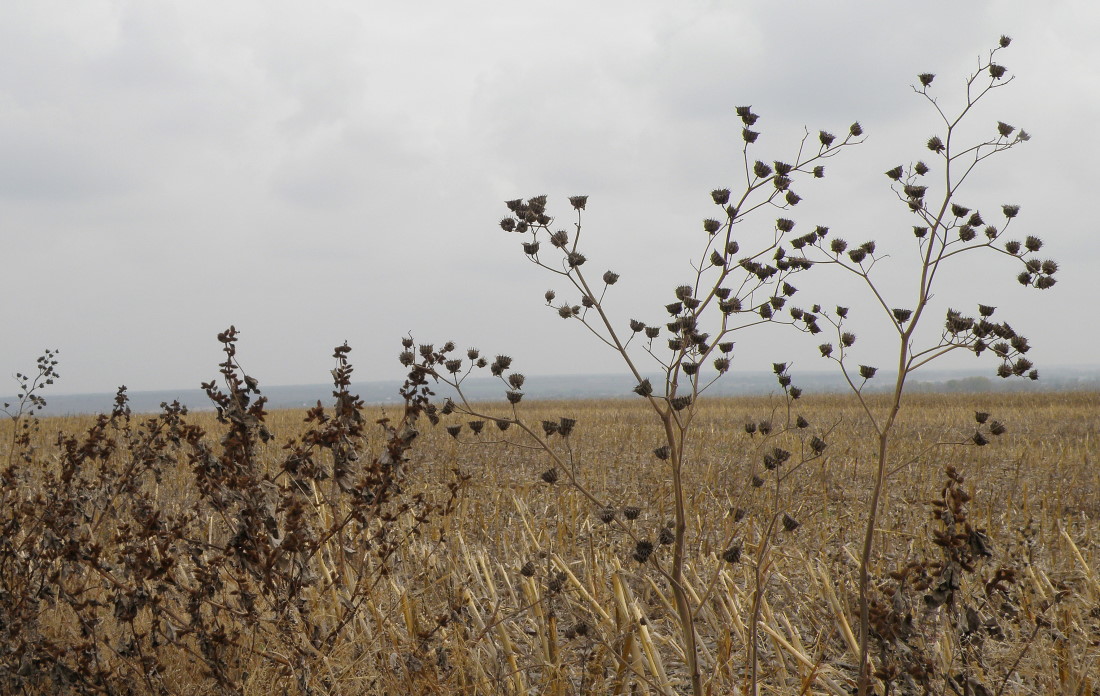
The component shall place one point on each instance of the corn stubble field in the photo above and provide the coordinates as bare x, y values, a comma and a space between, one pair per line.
493, 581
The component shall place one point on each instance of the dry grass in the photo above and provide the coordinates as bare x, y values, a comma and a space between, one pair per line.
455, 614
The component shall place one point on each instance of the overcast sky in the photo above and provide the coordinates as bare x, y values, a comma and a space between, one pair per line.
330, 171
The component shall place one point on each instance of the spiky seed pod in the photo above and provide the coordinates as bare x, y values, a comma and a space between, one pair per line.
1010, 211
729, 306
996, 71
1033, 243
765, 311
644, 388
732, 248
722, 365
902, 315
1004, 41
967, 233
975, 219
636, 326
514, 205
826, 139
981, 416
549, 427
578, 202
514, 397
674, 308
819, 172
1049, 267
1020, 344
733, 553
1012, 247
527, 569
826, 349
588, 301
565, 312
680, 403
692, 302
795, 392
841, 312
792, 198
781, 183
675, 344
1044, 282
508, 224
610, 278
476, 426
769, 462
606, 515
549, 296
581, 628
997, 428
789, 523
920, 232
817, 445
556, 583
711, 226
665, 536
454, 430
746, 115
867, 372
575, 258
559, 239
847, 339
926, 79
448, 407
784, 225
855, 129
896, 173
838, 245
980, 440
690, 368
720, 196
631, 512
958, 210
738, 514
801, 422
756, 481
761, 170
991, 232
550, 476
935, 144
749, 136
717, 259
857, 255
765, 427
407, 358
920, 168
502, 424
642, 550
652, 331
986, 310
566, 425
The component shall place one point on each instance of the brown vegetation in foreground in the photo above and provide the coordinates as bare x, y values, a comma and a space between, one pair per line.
519, 587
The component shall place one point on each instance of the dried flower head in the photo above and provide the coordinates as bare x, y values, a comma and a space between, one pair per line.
926, 79
631, 512
720, 196
550, 476
867, 372
578, 202
733, 553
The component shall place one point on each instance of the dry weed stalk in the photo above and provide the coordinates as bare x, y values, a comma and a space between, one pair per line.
946, 231
731, 291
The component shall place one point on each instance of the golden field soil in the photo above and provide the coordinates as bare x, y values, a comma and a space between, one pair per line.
454, 614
